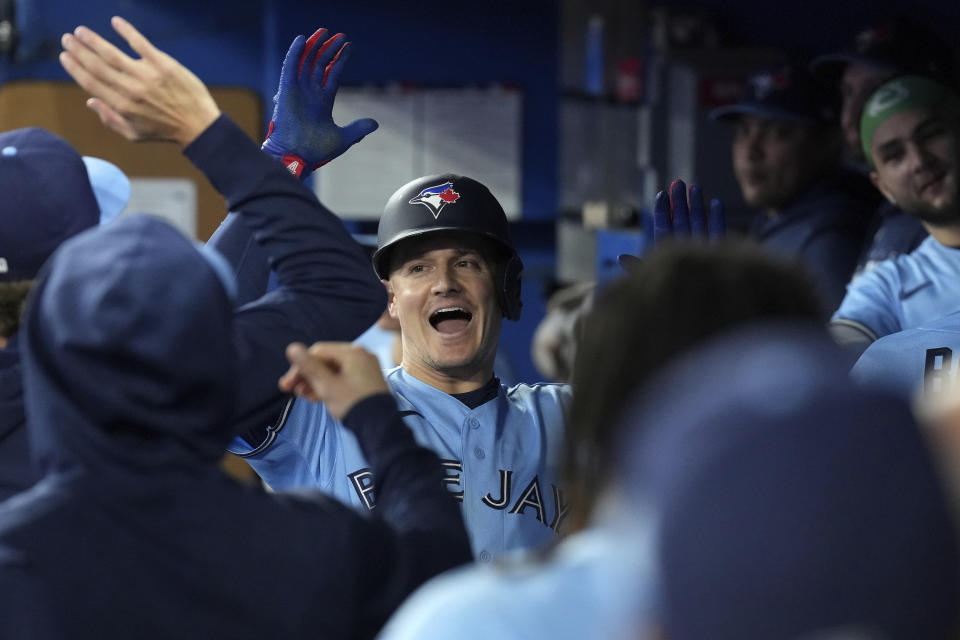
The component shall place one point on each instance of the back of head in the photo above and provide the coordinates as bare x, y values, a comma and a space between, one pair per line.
128, 351
791, 503
676, 297
47, 198
450, 203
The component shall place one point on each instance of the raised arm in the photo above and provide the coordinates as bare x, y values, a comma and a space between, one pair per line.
302, 135
327, 288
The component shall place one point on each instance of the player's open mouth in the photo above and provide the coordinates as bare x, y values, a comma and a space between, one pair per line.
450, 319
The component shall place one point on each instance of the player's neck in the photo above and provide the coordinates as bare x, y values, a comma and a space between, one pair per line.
3, 342
452, 382
947, 235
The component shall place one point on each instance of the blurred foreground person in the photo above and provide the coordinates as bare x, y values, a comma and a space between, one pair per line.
787, 502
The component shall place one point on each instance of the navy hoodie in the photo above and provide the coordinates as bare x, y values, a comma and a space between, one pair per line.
326, 287
823, 228
131, 351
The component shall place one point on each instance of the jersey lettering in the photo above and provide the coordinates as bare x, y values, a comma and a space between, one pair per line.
363, 484
560, 509
504, 499
452, 478
936, 369
530, 498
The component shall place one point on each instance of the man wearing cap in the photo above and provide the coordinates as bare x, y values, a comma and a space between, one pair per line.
910, 131
785, 154
51, 193
325, 287
878, 54
445, 255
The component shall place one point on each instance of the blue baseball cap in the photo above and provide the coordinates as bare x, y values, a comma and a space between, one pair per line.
50, 194
897, 46
787, 93
790, 501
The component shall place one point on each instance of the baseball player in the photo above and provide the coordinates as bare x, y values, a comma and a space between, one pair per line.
453, 274
132, 347
880, 53
51, 193
445, 254
324, 285
671, 301
785, 155
918, 359
911, 131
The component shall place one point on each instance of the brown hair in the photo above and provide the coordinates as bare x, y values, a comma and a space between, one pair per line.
674, 298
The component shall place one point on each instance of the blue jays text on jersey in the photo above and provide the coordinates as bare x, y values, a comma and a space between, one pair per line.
502, 458
921, 359
904, 293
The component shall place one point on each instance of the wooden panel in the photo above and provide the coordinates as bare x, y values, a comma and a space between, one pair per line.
60, 108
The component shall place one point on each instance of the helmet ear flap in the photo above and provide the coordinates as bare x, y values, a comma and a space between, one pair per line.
510, 290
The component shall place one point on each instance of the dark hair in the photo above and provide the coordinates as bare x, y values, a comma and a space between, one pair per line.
13, 297
674, 298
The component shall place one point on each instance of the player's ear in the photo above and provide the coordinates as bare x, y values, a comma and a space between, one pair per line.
391, 299
881, 187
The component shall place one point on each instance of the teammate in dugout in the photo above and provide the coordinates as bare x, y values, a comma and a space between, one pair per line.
910, 130
880, 53
51, 193
785, 155
445, 254
131, 384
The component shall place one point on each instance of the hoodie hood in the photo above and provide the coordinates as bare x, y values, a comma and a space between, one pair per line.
127, 349
11, 388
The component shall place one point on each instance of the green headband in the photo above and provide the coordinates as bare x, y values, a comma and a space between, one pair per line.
898, 95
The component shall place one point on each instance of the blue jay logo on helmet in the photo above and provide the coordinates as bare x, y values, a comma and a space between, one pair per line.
435, 198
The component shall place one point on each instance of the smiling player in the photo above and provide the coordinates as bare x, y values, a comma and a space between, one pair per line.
910, 131
452, 274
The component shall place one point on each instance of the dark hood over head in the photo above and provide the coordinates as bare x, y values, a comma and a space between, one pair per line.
128, 352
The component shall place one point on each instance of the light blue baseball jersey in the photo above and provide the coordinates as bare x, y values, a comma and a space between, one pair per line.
597, 583
502, 459
905, 292
916, 359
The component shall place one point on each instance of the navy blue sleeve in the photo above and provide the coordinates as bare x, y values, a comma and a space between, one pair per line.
430, 536
235, 242
326, 286
830, 257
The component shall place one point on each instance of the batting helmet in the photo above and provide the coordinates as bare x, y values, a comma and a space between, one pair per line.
444, 203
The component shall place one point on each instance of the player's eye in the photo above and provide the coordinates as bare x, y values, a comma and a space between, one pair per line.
891, 155
416, 268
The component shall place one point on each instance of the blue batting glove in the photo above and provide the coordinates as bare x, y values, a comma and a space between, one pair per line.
681, 215
302, 133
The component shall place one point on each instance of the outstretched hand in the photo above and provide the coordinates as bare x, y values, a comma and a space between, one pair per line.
302, 132
338, 374
153, 97
681, 214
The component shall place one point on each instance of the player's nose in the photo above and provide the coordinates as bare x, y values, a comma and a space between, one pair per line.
445, 281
